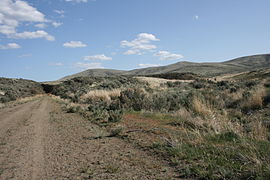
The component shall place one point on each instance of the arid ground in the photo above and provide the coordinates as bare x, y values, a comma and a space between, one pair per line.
40, 141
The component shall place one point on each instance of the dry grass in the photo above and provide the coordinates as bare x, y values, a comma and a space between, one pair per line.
183, 113
213, 119
156, 82
105, 95
257, 97
255, 101
258, 130
200, 107
20, 101
27, 99
70, 106
60, 100
237, 95
2, 93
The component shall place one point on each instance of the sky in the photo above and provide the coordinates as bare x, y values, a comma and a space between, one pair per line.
46, 40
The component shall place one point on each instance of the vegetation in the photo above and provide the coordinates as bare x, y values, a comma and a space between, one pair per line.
239, 65
207, 129
12, 89
175, 75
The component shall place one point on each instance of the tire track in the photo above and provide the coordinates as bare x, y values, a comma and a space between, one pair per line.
40, 141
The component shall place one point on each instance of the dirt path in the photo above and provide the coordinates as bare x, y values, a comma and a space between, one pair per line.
39, 141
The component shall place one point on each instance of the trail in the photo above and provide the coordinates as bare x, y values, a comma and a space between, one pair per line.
40, 141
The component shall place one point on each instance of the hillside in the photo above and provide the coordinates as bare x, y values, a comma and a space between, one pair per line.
191, 126
12, 89
237, 65
95, 73
203, 128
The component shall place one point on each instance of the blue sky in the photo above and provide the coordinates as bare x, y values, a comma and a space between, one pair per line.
48, 39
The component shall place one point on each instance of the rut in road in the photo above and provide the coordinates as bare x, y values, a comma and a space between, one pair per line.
40, 141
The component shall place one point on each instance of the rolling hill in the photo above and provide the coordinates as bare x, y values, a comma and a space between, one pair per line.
95, 73
242, 64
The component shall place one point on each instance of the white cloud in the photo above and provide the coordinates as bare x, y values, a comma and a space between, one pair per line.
147, 37
25, 55
101, 57
10, 46
60, 12
56, 64
41, 25
77, 1
33, 35
140, 44
85, 66
149, 65
56, 24
133, 51
13, 13
74, 44
165, 55
196, 17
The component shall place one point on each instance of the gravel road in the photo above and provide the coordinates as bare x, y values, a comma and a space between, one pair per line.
40, 141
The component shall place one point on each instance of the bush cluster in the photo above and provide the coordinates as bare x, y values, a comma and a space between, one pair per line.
104, 111
13, 89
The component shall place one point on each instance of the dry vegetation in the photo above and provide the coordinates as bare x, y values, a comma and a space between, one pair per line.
105, 95
157, 82
206, 129
12, 89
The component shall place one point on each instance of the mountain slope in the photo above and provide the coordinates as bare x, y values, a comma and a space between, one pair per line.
237, 65
95, 73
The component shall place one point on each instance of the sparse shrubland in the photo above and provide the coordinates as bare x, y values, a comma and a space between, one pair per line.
206, 129
175, 75
12, 89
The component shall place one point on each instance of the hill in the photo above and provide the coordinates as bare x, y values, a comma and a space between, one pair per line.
95, 73
12, 89
237, 65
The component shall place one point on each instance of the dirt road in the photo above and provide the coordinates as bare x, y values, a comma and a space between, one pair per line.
40, 141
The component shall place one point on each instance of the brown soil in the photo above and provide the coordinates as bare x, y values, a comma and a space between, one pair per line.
40, 141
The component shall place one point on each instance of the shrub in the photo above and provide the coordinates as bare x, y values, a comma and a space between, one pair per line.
133, 98
171, 84
226, 137
222, 83
266, 100
104, 95
115, 116
255, 101
116, 131
175, 75
267, 85
73, 108
99, 115
233, 90
198, 85
250, 84
168, 101
200, 107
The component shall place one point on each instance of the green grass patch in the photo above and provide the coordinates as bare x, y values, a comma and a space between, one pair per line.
224, 156
162, 117
225, 137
